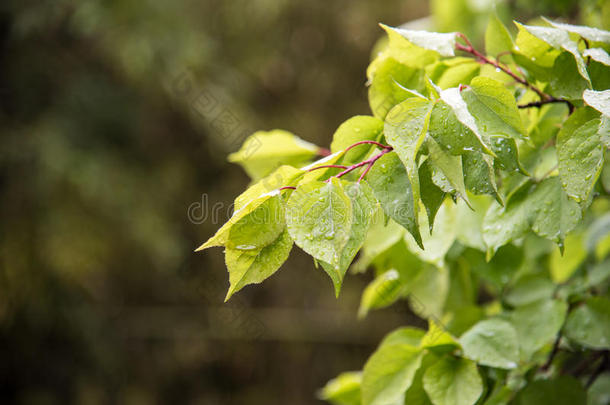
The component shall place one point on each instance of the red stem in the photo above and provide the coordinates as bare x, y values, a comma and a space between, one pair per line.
347, 169
484, 59
369, 162
382, 146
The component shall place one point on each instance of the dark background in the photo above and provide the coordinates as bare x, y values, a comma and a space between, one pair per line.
116, 118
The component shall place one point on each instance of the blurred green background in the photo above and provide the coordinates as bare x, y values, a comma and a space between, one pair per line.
116, 118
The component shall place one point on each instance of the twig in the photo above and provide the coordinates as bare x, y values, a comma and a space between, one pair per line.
347, 169
539, 104
484, 59
369, 161
554, 352
382, 146
598, 370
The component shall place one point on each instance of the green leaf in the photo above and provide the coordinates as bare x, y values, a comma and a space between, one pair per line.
416, 395
463, 139
493, 343
437, 338
401, 50
565, 80
405, 129
470, 221
497, 38
535, 55
600, 100
507, 154
264, 151
406, 334
343, 389
282, 176
464, 318
580, 154
364, 207
453, 72
589, 324
599, 393
392, 83
381, 237
449, 165
479, 176
428, 292
383, 291
453, 381
440, 240
261, 227
494, 108
590, 33
529, 289
431, 196
563, 266
447, 130
391, 186
598, 274
563, 390
255, 225
543, 207
254, 266
537, 324
559, 39
388, 373
356, 129
443, 44
319, 219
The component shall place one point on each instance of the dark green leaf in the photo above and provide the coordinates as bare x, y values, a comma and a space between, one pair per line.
564, 390
364, 207
543, 207
391, 186
580, 154
405, 129
431, 196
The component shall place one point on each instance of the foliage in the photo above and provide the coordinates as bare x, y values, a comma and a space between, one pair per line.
474, 174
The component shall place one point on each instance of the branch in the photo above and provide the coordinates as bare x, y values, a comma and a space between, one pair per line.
468, 48
554, 352
369, 162
539, 104
598, 370
347, 169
